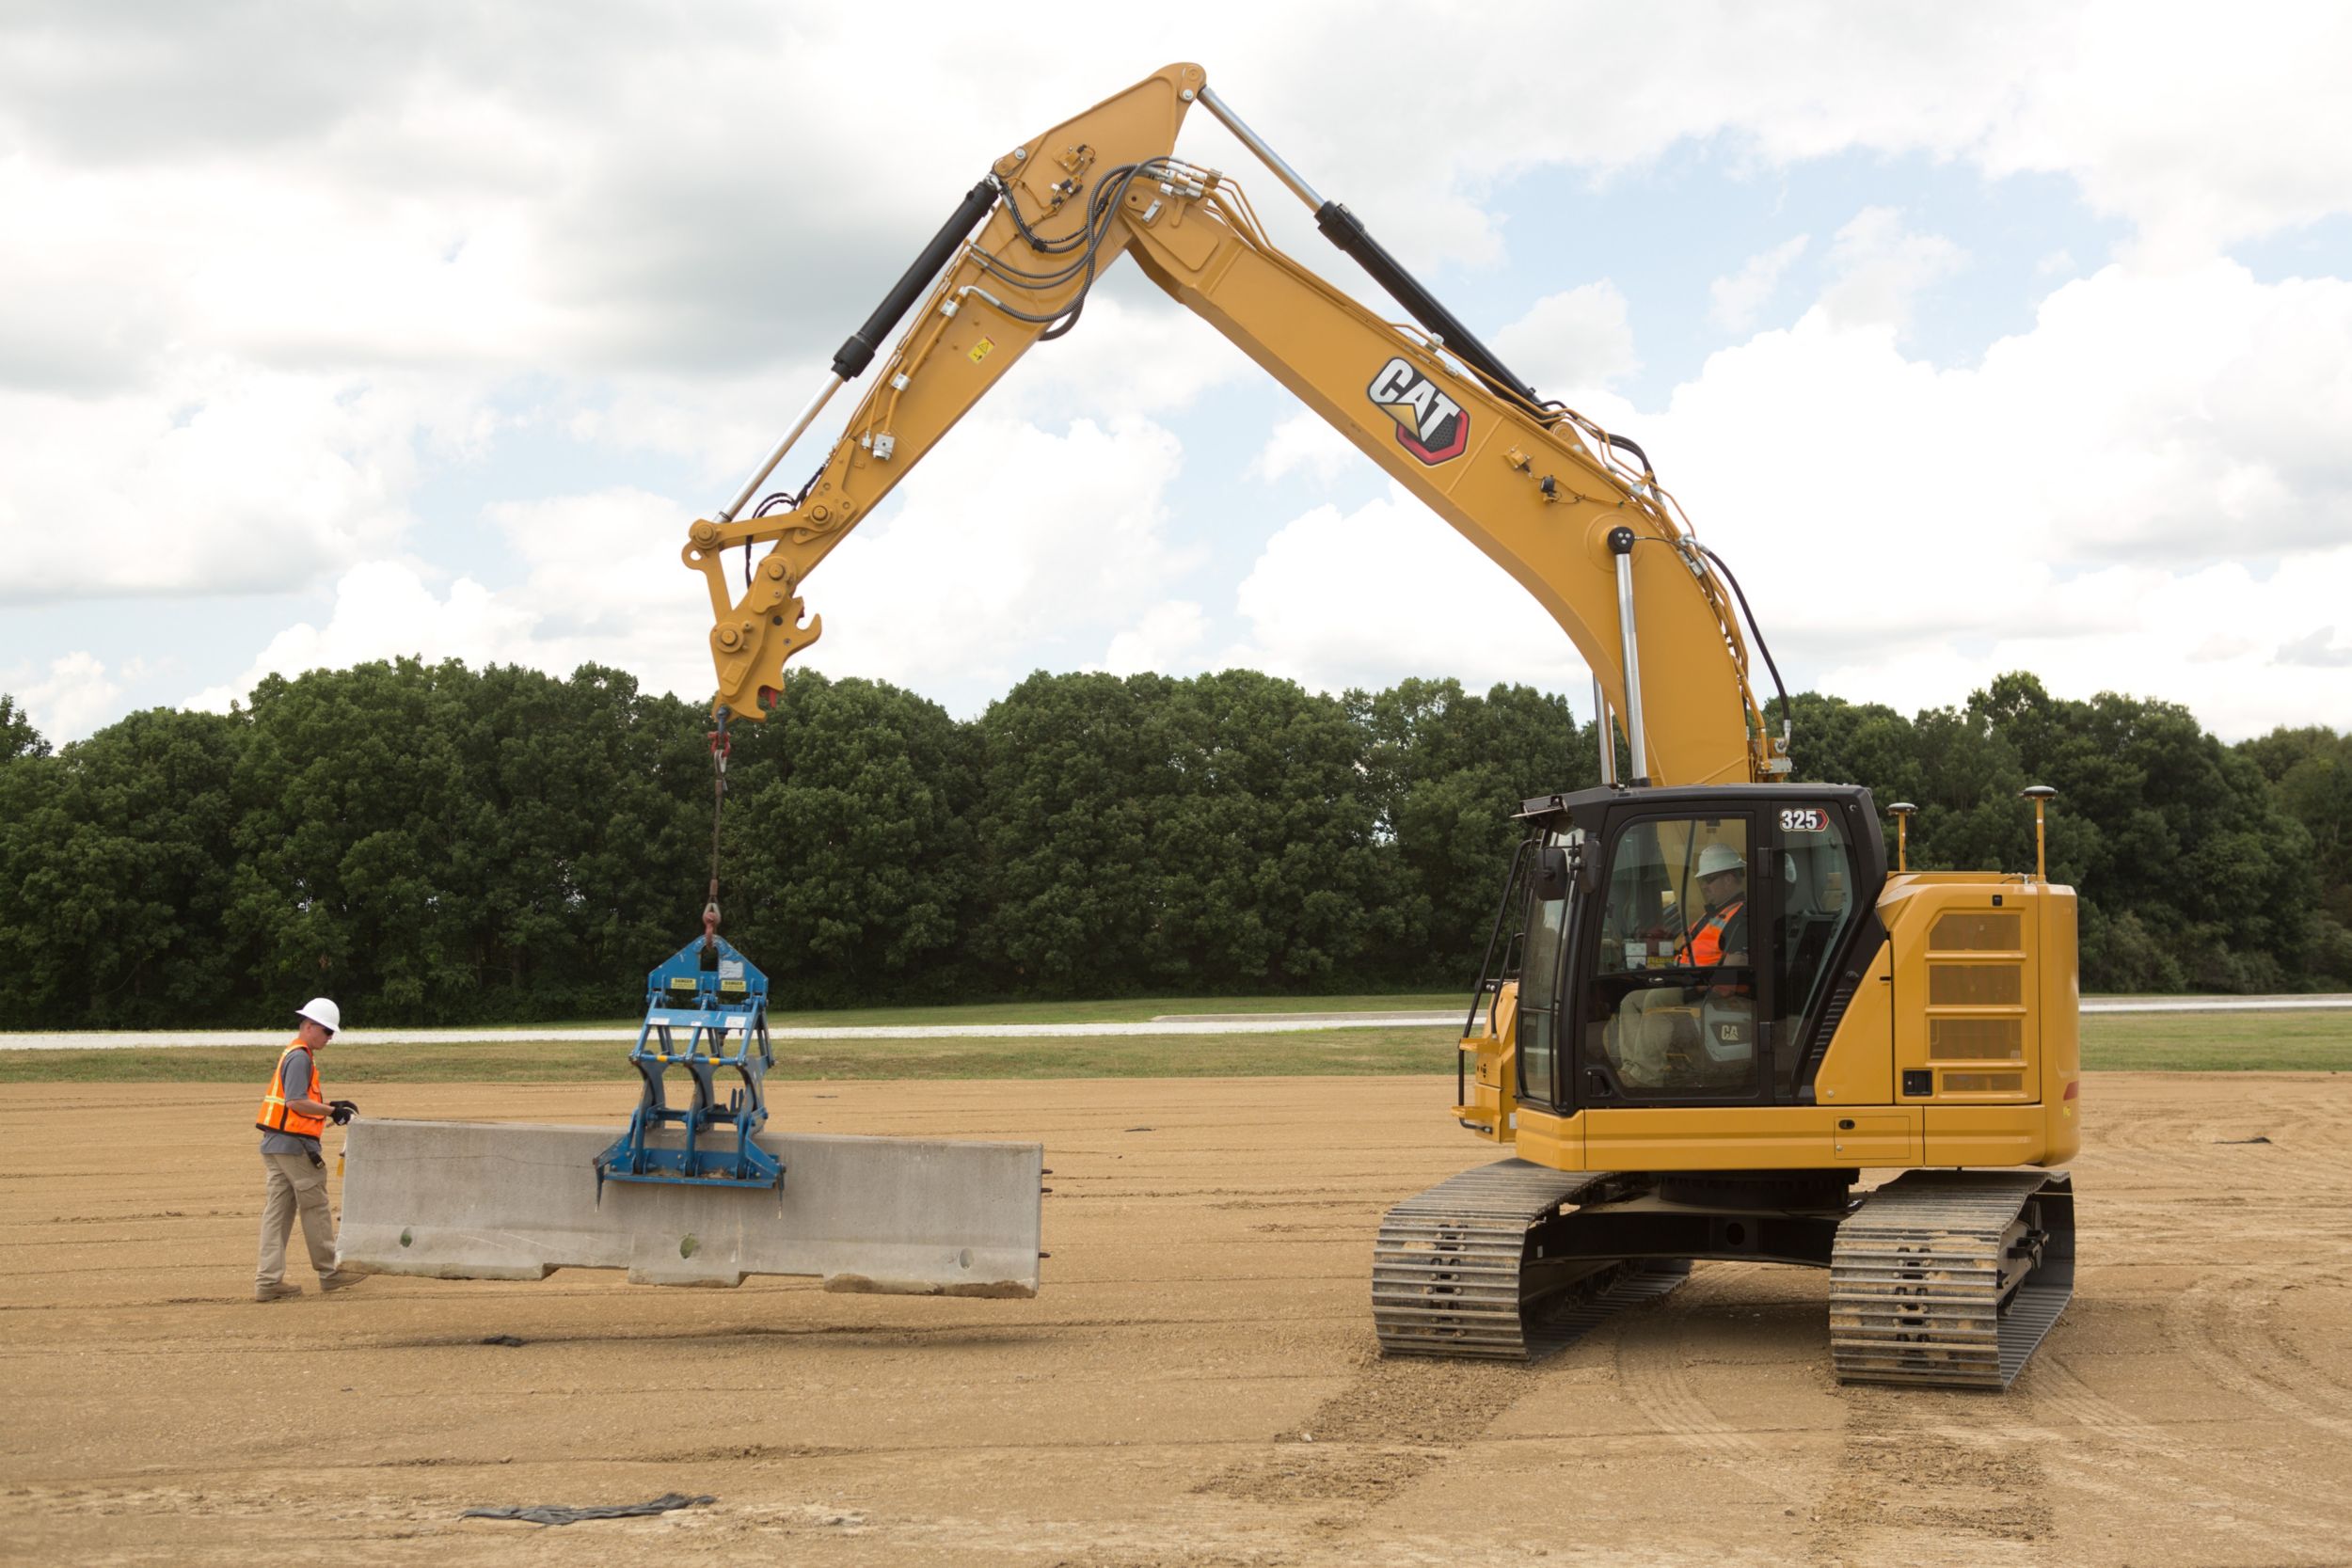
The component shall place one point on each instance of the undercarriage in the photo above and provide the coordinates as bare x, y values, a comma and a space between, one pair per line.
1938, 1277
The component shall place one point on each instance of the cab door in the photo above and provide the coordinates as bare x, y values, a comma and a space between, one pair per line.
1673, 991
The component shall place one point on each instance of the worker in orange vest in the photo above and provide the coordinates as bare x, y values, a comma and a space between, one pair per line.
1722, 934
294, 1115
1651, 1020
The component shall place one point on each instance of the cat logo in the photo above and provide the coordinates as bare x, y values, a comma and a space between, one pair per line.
1429, 424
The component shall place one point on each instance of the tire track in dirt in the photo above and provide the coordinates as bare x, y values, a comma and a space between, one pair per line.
1649, 1369
1396, 1419
1917, 1465
2288, 1134
1898, 1477
2146, 1466
2215, 1322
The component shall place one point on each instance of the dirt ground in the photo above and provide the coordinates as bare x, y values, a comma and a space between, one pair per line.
1197, 1384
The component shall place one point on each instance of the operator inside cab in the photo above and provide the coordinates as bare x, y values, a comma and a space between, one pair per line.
1721, 937
1675, 1035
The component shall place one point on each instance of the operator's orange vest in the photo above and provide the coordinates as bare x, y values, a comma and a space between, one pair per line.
1706, 944
274, 1116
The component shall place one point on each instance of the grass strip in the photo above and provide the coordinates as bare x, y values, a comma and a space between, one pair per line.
2205, 1042
1336, 1052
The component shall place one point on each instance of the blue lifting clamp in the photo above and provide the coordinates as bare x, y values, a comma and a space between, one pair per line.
716, 1000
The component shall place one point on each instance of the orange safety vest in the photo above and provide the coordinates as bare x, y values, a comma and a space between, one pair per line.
1705, 946
274, 1116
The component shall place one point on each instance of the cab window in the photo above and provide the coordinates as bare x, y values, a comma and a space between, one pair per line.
1671, 1007
1541, 974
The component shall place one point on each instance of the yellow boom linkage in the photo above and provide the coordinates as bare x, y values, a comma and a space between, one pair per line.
1535, 488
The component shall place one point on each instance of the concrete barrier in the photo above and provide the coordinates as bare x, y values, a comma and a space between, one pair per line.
487, 1200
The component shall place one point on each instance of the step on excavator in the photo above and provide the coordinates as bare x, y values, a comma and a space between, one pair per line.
1707, 1008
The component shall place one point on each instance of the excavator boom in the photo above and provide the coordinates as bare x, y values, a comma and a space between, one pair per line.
1540, 490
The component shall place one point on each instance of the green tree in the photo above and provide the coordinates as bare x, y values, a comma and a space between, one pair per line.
1209, 834
1448, 772
848, 837
18, 739
1261, 842
2188, 870
116, 854
2311, 770
1068, 785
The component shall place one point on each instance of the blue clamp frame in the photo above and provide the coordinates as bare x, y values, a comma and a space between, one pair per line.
718, 1000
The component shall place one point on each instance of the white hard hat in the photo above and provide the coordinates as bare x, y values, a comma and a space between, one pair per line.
1716, 858
321, 1012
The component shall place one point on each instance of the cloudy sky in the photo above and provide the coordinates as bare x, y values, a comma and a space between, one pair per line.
1976, 338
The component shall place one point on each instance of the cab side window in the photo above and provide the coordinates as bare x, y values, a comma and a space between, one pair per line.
1816, 905
1671, 1007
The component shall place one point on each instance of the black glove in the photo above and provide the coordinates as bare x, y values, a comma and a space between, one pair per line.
340, 1112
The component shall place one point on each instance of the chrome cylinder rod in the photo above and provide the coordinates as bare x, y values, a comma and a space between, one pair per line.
808, 416
1266, 155
1605, 728
1621, 546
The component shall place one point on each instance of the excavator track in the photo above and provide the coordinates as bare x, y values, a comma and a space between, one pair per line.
1951, 1279
1451, 1272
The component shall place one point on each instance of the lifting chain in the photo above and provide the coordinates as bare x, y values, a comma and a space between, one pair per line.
721, 744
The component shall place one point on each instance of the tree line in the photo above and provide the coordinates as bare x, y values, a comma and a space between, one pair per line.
439, 844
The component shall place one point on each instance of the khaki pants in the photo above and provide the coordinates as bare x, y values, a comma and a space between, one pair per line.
1642, 1039
294, 1185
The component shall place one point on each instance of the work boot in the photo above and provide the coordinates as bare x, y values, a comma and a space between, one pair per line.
276, 1293
342, 1279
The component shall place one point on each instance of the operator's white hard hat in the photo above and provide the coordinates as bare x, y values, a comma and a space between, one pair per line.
1717, 858
321, 1012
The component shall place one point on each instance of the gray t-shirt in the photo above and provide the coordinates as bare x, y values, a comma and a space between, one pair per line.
293, 1081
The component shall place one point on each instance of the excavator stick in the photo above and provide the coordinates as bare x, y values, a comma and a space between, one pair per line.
699, 1193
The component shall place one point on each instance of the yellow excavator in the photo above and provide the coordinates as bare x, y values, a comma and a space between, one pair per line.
1707, 1005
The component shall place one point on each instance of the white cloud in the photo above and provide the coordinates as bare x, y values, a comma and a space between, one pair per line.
68, 700
2319, 649
1167, 638
602, 582
225, 478
1370, 597
2146, 491
382, 609
1135, 354
1882, 267
1740, 296
2236, 684
1011, 546
1580, 337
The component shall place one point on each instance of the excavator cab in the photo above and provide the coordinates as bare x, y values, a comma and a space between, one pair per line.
1685, 947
